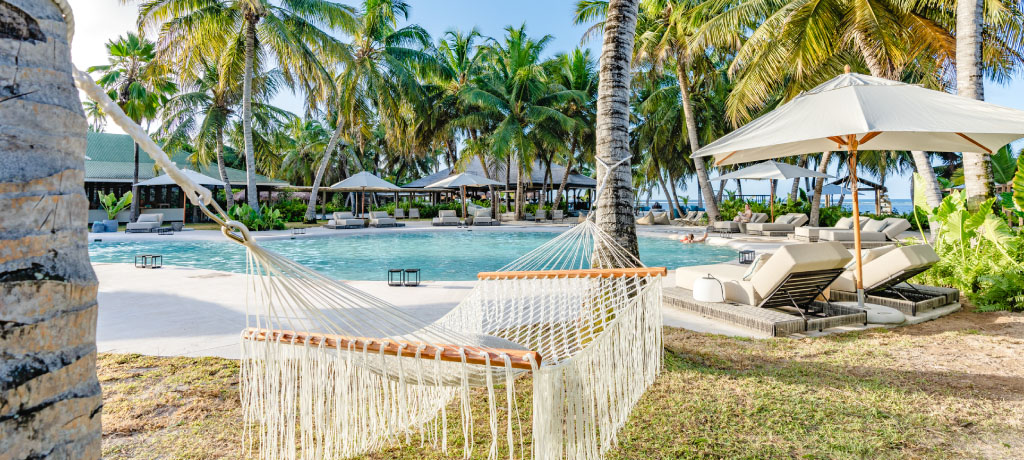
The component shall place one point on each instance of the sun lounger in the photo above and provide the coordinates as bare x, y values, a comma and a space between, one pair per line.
811, 234
873, 233
146, 223
344, 219
399, 213
558, 215
794, 276
445, 217
730, 226
381, 219
783, 225
887, 266
414, 213
483, 217
698, 219
685, 219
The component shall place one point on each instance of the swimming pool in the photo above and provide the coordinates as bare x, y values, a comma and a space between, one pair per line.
442, 256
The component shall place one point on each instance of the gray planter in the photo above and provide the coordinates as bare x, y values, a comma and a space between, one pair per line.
110, 225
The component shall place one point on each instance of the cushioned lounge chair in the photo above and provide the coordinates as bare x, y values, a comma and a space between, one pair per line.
872, 232
783, 225
887, 267
730, 226
344, 219
483, 217
445, 217
685, 218
399, 213
382, 219
698, 219
794, 276
414, 213
558, 215
811, 234
145, 223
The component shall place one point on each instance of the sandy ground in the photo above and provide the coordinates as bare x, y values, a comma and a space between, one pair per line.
177, 311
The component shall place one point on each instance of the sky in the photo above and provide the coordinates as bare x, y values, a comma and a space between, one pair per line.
98, 21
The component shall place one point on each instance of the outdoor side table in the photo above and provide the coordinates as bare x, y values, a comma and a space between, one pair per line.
411, 277
165, 231
149, 261
396, 277
746, 257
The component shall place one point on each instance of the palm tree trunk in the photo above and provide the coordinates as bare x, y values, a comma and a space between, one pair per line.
739, 188
565, 177
331, 144
924, 168
721, 191
969, 83
542, 198
251, 192
703, 182
615, 178
51, 399
519, 193
819, 182
794, 193
675, 197
228, 195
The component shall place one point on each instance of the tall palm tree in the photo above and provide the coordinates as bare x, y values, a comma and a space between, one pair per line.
138, 83
52, 399
970, 83
615, 202
94, 113
576, 71
293, 33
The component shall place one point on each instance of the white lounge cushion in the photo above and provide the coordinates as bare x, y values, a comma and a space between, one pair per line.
874, 225
888, 264
730, 275
844, 223
797, 258
756, 265
661, 218
847, 235
895, 227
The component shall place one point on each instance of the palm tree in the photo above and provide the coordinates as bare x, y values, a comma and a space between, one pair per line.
576, 71
52, 399
138, 83
94, 113
290, 32
615, 202
969, 83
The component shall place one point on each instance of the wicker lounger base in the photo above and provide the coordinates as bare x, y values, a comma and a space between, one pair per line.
339, 227
775, 233
769, 321
923, 299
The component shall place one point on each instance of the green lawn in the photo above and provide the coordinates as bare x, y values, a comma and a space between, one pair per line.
946, 389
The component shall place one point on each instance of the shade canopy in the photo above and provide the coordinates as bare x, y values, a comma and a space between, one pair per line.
882, 114
464, 180
771, 170
165, 179
830, 189
364, 181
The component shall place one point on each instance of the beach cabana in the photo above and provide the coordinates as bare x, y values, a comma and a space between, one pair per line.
461, 181
198, 178
364, 182
854, 112
771, 170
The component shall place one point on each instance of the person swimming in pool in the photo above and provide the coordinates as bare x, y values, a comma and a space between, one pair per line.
689, 238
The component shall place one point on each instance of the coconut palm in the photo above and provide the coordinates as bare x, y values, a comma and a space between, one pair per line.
576, 71
293, 33
138, 83
94, 113
615, 202
52, 401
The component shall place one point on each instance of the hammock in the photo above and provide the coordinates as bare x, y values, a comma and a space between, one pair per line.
329, 371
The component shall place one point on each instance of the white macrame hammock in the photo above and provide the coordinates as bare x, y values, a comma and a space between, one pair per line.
329, 371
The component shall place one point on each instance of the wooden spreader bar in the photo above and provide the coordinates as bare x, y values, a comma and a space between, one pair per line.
584, 273
449, 353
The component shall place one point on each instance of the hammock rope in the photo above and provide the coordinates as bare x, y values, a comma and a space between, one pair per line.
329, 371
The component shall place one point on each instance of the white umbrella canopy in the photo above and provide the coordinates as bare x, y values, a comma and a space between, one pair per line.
364, 182
771, 170
165, 179
830, 189
882, 114
463, 180
854, 111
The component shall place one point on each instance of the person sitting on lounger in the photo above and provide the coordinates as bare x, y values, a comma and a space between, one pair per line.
690, 238
745, 216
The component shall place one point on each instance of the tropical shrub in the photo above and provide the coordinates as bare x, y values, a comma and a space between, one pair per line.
979, 254
113, 205
267, 219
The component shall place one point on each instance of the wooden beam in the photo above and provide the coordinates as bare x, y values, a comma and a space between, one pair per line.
837, 140
986, 149
585, 273
868, 137
391, 347
719, 162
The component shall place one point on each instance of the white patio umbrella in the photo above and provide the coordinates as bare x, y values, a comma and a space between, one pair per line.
769, 170
854, 111
198, 178
463, 180
363, 182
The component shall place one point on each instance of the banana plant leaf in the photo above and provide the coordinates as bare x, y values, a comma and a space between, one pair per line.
1004, 165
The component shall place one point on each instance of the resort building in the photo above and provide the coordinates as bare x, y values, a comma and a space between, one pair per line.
109, 168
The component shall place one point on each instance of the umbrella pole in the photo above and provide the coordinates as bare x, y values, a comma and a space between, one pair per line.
463, 202
856, 219
772, 203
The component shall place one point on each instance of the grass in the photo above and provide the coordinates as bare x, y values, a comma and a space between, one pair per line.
950, 388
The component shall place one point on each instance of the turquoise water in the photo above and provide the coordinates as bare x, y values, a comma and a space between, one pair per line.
442, 256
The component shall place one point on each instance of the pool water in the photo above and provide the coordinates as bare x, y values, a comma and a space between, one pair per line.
442, 256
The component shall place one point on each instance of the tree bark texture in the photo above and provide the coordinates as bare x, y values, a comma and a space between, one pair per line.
50, 398
331, 145
615, 203
251, 192
703, 181
970, 83
819, 182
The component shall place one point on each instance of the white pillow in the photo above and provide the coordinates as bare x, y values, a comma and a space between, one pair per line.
756, 265
844, 223
874, 225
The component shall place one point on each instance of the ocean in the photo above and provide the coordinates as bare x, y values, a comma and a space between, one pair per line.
899, 205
